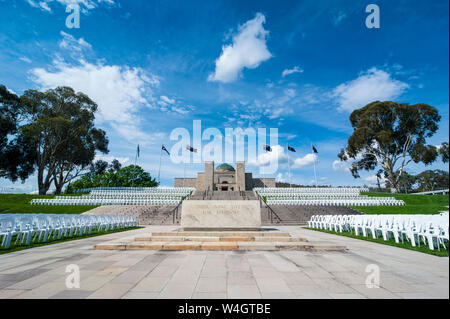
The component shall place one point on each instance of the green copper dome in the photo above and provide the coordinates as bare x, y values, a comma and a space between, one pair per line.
225, 167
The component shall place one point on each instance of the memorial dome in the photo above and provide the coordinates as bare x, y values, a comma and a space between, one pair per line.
225, 168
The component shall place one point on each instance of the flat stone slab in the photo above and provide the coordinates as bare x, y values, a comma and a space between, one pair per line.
222, 271
265, 239
219, 245
220, 214
262, 233
216, 238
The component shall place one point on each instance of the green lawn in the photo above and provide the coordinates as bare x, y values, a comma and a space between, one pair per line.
51, 241
20, 204
406, 245
414, 204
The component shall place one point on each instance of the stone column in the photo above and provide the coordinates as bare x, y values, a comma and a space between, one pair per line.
240, 176
209, 176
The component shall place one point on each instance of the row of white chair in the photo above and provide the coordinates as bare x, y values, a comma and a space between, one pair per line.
136, 189
36, 228
373, 201
332, 190
102, 201
121, 196
144, 192
316, 196
142, 196
432, 230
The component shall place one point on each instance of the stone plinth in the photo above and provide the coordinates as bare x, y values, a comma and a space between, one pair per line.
219, 214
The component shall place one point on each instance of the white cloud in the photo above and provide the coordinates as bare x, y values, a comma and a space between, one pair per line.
265, 158
180, 110
283, 177
295, 69
11, 91
373, 85
41, 4
25, 59
70, 43
248, 50
339, 18
167, 100
306, 160
290, 93
84, 4
110, 158
171, 105
341, 166
118, 91
372, 180
280, 178
274, 113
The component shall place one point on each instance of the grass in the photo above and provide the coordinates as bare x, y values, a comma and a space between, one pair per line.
19, 247
414, 204
391, 242
20, 204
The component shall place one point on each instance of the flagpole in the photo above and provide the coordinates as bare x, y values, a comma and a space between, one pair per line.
135, 163
263, 179
184, 174
289, 165
159, 170
314, 163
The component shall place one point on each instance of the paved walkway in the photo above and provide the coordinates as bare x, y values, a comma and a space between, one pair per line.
40, 272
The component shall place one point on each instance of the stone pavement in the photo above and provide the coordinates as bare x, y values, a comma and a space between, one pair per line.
40, 272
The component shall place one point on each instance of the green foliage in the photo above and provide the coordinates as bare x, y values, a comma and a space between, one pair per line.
16, 156
20, 204
406, 182
432, 180
54, 133
99, 167
115, 165
414, 204
129, 176
428, 180
443, 152
390, 135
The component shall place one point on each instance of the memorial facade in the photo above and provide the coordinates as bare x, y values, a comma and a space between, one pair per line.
224, 178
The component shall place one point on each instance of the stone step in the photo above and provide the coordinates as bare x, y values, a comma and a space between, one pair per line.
286, 223
223, 234
219, 239
192, 245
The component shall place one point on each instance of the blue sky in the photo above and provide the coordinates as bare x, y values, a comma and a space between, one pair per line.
299, 66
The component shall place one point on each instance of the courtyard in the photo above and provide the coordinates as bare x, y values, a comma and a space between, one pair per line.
41, 272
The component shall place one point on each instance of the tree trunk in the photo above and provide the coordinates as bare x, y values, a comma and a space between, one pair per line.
393, 180
58, 189
41, 185
43, 188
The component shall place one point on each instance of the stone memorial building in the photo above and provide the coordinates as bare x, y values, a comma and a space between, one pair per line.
224, 178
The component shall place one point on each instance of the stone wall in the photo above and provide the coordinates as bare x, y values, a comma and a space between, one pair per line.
248, 181
185, 182
240, 176
200, 181
220, 214
259, 182
209, 176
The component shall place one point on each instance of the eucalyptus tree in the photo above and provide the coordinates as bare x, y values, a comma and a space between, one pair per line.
59, 126
15, 154
443, 152
390, 135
